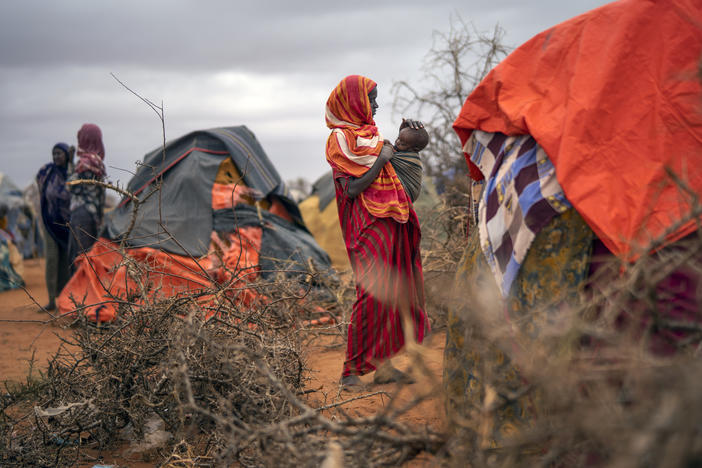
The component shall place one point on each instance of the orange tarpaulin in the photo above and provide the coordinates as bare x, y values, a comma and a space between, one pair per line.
102, 274
614, 97
231, 265
102, 280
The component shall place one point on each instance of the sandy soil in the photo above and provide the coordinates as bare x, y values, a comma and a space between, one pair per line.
26, 332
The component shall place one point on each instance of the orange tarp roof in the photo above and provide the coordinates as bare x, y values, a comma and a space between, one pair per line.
614, 97
101, 275
102, 278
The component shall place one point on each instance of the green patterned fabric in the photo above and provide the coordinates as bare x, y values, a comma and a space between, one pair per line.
408, 167
9, 279
552, 275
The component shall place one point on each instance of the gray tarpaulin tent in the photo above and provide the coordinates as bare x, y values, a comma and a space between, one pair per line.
22, 222
189, 206
188, 166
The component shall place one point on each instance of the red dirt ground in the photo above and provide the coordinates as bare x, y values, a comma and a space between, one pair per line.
25, 331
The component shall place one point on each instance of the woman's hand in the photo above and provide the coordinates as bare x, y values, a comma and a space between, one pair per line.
415, 124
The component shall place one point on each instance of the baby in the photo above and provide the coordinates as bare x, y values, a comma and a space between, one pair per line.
408, 167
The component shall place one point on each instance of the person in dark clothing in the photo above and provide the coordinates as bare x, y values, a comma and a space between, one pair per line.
54, 200
87, 200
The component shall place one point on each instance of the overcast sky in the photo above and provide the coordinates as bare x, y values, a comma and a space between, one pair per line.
269, 65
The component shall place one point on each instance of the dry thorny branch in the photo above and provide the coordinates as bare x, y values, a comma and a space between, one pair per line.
203, 378
608, 379
456, 63
187, 391
200, 379
221, 390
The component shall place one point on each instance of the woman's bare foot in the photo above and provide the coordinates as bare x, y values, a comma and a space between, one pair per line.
352, 383
386, 373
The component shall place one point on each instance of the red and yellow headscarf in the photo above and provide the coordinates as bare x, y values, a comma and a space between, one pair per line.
355, 143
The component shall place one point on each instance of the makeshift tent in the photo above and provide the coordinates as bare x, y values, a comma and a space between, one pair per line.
614, 97
321, 216
322, 219
11, 268
211, 207
18, 218
34, 240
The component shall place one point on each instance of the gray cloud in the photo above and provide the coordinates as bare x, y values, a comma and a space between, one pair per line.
251, 36
266, 64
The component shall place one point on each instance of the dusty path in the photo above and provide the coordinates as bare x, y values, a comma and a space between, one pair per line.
23, 336
325, 365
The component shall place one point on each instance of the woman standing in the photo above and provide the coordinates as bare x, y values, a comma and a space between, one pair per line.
87, 200
381, 232
54, 200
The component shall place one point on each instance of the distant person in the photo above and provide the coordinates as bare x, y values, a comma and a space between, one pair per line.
381, 232
54, 202
405, 160
11, 266
87, 200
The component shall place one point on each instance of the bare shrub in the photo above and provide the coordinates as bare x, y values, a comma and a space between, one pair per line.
603, 383
444, 239
456, 63
163, 361
218, 383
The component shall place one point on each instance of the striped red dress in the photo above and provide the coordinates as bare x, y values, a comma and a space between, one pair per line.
387, 264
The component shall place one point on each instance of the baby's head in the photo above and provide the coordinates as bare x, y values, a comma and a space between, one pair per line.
412, 139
